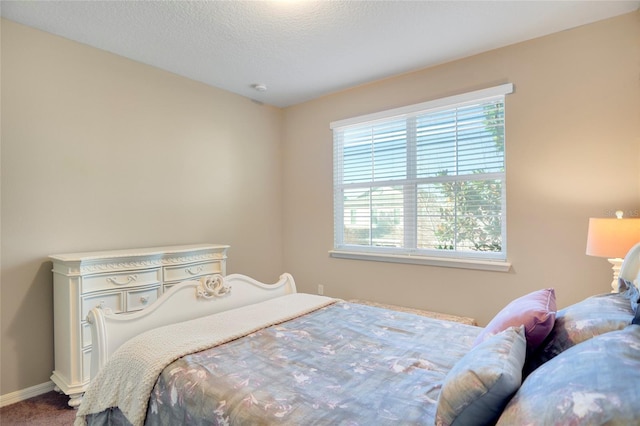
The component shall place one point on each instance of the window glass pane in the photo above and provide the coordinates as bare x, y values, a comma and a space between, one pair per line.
374, 217
461, 140
480, 143
436, 144
387, 217
358, 156
478, 215
434, 217
357, 217
460, 215
375, 153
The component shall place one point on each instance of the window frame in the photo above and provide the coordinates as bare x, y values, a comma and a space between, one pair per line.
445, 258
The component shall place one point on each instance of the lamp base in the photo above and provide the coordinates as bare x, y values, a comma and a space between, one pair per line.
617, 263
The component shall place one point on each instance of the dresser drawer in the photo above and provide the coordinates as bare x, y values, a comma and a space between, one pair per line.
140, 299
143, 277
187, 272
107, 300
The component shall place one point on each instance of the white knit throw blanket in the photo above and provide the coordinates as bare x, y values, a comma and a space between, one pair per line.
126, 381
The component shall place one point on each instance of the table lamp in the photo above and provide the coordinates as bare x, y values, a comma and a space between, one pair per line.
612, 238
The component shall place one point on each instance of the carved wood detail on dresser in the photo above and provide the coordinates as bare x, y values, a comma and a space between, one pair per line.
121, 280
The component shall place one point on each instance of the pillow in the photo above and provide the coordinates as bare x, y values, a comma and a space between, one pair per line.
536, 311
593, 383
480, 384
581, 321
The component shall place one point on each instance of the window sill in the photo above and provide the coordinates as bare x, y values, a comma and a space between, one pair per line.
483, 265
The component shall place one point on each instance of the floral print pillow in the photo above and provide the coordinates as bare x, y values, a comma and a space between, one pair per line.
596, 382
582, 321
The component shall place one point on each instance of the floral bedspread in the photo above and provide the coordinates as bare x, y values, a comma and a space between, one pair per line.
345, 364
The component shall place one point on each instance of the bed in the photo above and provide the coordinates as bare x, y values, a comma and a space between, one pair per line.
231, 350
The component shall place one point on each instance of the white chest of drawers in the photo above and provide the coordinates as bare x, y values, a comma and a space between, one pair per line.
123, 280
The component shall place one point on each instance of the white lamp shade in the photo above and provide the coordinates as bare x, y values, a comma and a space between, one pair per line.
612, 237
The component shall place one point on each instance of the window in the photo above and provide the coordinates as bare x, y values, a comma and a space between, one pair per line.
424, 183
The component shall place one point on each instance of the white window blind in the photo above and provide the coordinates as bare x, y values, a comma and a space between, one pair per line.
424, 180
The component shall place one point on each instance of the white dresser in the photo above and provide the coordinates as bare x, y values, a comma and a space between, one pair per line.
123, 280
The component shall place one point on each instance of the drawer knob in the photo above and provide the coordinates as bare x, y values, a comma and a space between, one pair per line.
129, 280
144, 300
193, 271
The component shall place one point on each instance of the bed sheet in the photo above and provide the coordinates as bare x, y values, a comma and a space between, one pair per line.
345, 364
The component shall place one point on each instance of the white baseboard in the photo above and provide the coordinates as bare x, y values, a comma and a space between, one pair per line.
21, 395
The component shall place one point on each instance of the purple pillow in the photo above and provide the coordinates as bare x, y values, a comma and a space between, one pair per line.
536, 311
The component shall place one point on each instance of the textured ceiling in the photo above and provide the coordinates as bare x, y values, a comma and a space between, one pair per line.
302, 49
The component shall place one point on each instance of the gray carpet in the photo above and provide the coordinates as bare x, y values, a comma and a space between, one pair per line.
49, 409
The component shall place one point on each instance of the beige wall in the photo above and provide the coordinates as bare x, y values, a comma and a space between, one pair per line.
573, 151
99, 152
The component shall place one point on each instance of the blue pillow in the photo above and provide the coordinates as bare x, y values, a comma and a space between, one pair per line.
596, 382
481, 383
582, 321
